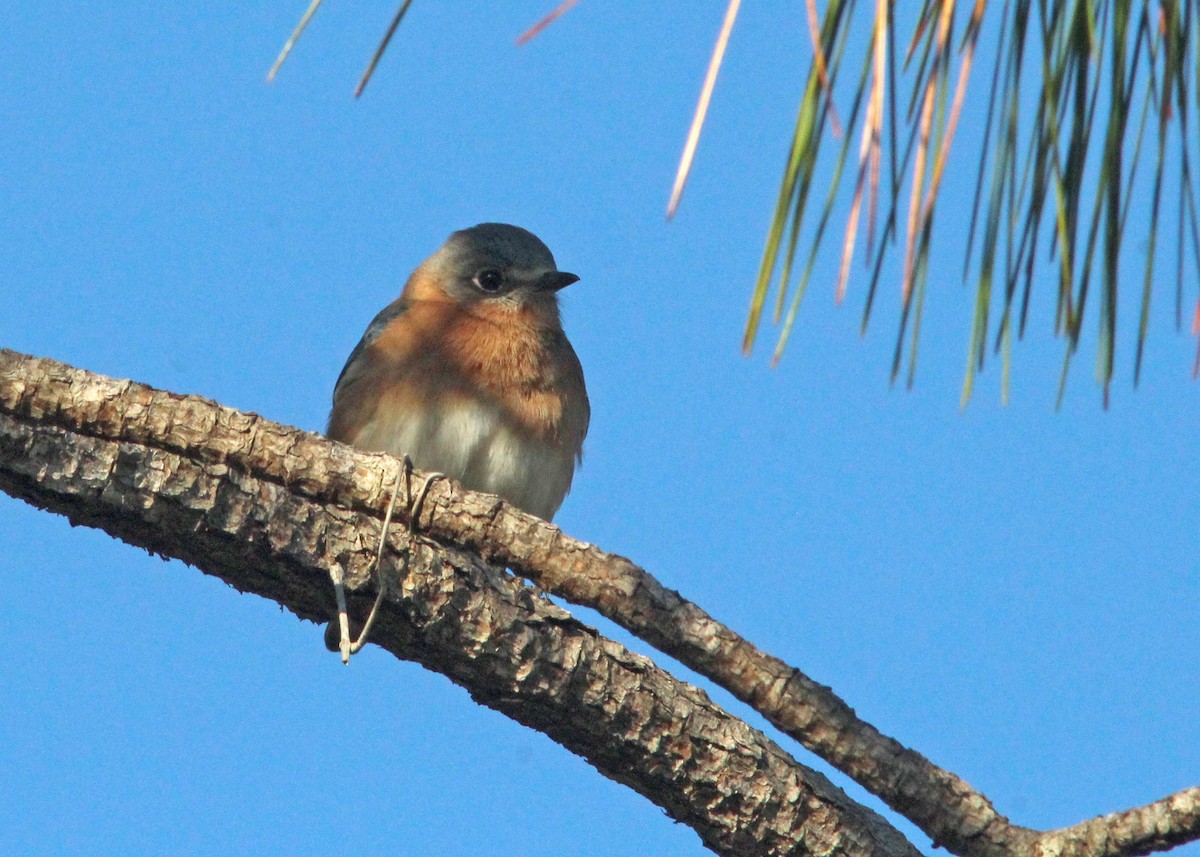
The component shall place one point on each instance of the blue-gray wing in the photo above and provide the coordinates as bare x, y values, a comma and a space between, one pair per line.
355, 363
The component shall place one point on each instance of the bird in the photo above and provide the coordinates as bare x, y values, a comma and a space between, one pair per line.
469, 374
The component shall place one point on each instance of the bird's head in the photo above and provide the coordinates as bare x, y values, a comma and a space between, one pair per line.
504, 265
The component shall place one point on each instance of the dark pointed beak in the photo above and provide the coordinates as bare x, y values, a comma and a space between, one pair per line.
556, 280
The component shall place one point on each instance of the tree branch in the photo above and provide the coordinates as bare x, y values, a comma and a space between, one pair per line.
178, 476
269, 508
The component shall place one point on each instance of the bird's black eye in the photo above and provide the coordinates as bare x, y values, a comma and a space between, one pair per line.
489, 280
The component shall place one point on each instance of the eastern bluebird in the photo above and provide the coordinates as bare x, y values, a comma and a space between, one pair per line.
469, 372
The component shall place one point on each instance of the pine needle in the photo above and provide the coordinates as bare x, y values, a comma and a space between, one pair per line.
293, 38
383, 44
557, 13
710, 81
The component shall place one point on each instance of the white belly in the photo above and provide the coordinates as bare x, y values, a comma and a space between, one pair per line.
471, 443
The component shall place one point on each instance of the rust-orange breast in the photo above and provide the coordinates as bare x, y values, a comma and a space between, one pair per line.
442, 350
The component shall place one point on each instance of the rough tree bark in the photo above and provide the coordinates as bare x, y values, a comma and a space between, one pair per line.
271, 509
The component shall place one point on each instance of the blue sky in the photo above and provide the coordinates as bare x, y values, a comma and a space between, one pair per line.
1011, 590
